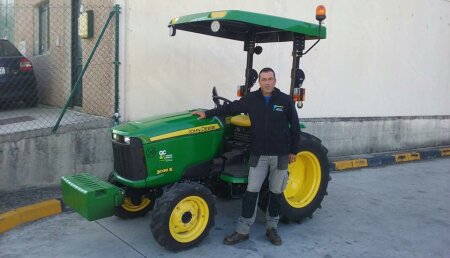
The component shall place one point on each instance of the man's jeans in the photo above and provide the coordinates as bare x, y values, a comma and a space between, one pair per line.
277, 183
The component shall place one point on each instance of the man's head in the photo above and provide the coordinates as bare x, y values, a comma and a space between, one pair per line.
267, 81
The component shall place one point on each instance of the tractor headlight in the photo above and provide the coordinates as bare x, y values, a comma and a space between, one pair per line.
121, 139
215, 26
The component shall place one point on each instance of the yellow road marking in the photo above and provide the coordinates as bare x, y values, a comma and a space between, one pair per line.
409, 156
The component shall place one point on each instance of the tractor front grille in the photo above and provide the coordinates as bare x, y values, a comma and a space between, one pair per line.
129, 159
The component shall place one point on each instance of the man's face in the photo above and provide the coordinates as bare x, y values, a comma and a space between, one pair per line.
267, 83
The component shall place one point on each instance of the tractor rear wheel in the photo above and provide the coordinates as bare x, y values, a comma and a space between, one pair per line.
308, 180
183, 216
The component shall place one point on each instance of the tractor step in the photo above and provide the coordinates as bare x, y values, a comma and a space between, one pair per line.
236, 171
90, 196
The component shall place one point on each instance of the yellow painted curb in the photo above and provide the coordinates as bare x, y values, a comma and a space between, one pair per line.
348, 164
343, 164
9, 220
445, 152
360, 163
29, 213
404, 157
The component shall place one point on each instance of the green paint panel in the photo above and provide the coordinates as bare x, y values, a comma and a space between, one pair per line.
130, 183
159, 125
177, 154
238, 23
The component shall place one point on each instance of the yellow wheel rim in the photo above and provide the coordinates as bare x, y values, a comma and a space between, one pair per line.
189, 219
129, 206
304, 180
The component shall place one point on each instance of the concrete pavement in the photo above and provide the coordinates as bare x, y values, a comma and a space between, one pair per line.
394, 211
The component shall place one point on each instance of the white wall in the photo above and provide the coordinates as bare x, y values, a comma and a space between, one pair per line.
381, 58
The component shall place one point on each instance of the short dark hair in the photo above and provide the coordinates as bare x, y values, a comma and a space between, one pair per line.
266, 70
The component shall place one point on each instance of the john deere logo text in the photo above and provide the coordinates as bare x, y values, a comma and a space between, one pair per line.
189, 131
202, 129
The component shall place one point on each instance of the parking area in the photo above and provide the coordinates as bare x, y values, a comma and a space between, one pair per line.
394, 211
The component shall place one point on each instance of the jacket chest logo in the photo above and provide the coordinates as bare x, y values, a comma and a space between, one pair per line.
278, 108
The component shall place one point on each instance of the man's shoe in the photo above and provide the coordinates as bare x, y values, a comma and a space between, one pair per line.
235, 238
273, 236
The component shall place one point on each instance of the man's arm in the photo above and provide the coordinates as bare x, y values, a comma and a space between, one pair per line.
235, 107
200, 114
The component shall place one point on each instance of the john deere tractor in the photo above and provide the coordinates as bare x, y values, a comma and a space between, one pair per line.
175, 164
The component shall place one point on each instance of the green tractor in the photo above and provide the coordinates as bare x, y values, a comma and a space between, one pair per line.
175, 164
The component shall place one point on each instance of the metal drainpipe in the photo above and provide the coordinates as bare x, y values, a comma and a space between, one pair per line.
116, 67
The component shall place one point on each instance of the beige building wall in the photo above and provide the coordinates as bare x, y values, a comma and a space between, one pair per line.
380, 58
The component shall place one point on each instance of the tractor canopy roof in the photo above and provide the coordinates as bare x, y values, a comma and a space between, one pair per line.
243, 26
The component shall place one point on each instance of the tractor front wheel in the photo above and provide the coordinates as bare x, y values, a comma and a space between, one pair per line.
183, 216
129, 210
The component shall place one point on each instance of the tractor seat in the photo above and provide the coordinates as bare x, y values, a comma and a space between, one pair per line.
241, 120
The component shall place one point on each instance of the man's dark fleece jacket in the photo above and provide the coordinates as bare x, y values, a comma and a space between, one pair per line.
274, 126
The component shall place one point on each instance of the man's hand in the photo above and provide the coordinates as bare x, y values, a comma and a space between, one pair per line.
291, 158
200, 114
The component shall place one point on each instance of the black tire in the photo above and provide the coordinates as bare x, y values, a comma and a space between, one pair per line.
311, 147
128, 210
194, 226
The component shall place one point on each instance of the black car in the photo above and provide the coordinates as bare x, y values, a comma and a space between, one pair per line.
17, 80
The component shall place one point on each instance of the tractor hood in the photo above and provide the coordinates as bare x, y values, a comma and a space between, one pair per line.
167, 126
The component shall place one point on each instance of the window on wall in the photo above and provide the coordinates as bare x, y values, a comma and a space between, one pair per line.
7, 20
44, 28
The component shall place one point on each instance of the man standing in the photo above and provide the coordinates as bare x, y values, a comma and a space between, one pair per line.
275, 135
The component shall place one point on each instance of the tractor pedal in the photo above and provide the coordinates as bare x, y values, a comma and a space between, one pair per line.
232, 153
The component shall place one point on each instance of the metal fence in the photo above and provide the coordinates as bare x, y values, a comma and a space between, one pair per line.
58, 65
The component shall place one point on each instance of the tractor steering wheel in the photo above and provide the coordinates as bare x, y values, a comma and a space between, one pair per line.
216, 98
